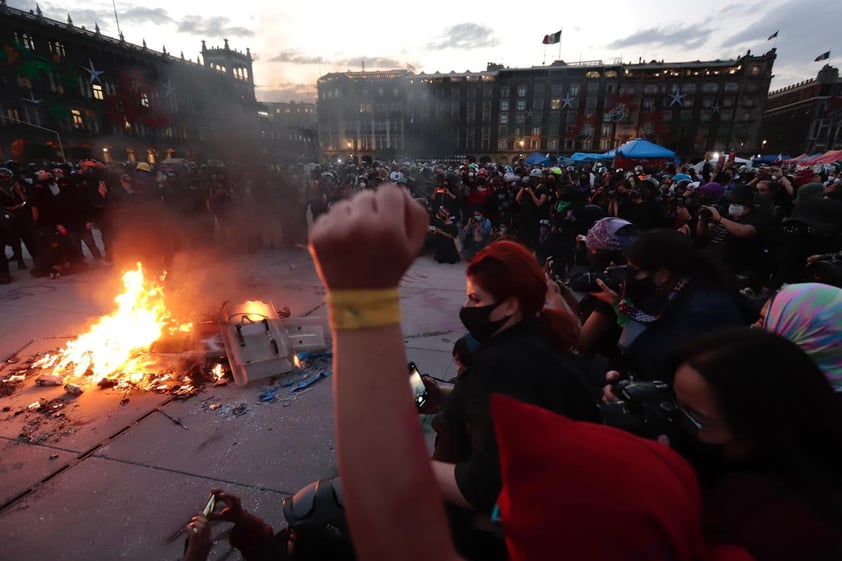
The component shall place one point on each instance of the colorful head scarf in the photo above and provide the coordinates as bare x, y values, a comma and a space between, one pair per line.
611, 234
810, 315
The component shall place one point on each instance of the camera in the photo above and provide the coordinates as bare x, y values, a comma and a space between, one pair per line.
612, 194
613, 278
705, 214
646, 409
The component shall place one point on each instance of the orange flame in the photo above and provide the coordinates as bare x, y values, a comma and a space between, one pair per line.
218, 372
256, 310
116, 346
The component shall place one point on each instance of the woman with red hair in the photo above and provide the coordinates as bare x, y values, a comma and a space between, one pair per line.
524, 353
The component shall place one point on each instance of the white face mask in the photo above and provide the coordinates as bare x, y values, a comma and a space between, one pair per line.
736, 210
54, 189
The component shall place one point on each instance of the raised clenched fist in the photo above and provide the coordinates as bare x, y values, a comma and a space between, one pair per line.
369, 241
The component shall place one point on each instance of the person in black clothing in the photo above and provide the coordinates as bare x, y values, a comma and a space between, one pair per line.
672, 294
648, 212
739, 238
533, 200
51, 231
524, 352
445, 232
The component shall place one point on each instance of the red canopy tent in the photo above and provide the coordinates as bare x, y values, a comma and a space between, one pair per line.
827, 158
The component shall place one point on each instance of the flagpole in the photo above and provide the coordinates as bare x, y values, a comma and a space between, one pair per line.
545, 55
559, 43
116, 19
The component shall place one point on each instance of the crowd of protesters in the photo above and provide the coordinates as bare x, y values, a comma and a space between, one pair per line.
696, 312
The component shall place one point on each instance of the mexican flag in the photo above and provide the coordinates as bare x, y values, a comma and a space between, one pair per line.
552, 38
772, 36
823, 56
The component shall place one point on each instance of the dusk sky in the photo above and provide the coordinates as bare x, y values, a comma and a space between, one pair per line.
296, 42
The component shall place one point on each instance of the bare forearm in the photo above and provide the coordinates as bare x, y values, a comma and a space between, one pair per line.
382, 456
445, 475
738, 230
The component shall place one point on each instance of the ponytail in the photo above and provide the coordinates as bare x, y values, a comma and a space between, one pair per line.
561, 328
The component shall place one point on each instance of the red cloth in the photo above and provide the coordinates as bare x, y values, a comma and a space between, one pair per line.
479, 199
576, 490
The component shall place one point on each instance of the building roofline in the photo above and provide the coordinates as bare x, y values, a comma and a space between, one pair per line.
122, 43
556, 65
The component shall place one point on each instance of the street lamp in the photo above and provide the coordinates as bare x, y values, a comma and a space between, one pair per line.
55, 132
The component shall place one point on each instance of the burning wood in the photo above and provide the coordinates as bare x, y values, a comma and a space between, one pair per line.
119, 350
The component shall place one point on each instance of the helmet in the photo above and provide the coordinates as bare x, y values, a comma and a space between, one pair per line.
6, 175
555, 171
483, 172
317, 522
143, 166
510, 178
536, 172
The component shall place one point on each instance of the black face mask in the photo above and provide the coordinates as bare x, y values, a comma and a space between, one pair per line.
477, 320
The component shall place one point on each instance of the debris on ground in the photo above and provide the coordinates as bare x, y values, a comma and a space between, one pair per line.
313, 367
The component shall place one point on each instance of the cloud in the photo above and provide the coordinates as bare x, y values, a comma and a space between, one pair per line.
800, 38
463, 36
678, 36
294, 56
81, 16
792, 21
141, 14
216, 26
742, 9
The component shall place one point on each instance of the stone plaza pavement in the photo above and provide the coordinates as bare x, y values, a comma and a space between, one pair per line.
119, 479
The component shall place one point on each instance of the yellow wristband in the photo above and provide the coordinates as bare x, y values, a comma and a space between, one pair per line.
363, 309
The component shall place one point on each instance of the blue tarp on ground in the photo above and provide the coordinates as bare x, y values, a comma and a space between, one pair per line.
537, 159
640, 149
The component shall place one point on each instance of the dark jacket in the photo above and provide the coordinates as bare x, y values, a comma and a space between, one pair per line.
521, 363
698, 310
772, 523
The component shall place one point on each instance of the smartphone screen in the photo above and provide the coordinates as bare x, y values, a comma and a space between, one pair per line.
210, 506
419, 391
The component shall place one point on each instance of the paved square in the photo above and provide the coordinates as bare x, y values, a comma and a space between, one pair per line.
98, 478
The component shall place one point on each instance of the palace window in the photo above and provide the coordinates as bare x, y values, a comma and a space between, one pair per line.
97, 92
78, 122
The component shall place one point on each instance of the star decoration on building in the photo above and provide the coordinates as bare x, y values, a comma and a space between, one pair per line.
677, 97
169, 89
93, 73
567, 101
717, 108
31, 99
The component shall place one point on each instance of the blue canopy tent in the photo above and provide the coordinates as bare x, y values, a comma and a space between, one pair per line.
537, 159
584, 157
640, 149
